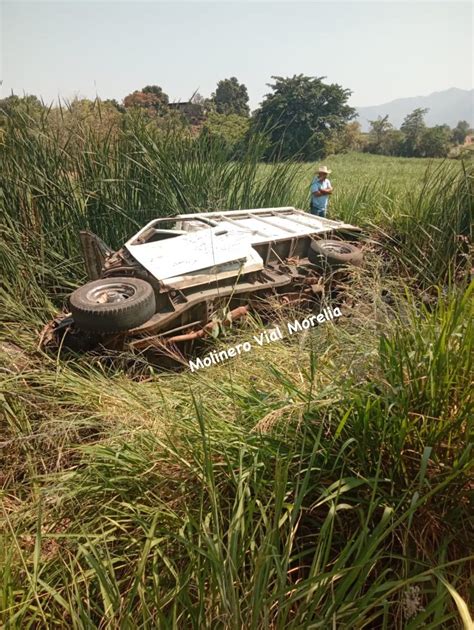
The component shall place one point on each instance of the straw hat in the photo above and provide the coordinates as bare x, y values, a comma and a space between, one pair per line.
324, 169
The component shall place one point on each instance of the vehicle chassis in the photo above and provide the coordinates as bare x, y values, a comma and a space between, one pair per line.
187, 313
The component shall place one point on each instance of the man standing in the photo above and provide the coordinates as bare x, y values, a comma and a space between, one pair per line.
320, 190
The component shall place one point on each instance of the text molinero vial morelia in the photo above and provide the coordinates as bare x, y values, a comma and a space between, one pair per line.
267, 336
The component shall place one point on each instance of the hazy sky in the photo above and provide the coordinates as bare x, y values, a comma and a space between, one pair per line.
379, 50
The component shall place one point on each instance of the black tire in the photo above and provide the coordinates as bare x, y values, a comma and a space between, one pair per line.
112, 304
326, 253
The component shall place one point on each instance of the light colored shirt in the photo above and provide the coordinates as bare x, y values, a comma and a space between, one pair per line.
320, 202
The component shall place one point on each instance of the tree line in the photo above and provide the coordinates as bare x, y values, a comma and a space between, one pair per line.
301, 117
414, 138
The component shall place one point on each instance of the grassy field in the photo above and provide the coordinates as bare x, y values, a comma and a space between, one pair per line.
351, 171
320, 482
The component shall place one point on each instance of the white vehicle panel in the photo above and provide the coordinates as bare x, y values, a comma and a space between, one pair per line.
197, 251
210, 241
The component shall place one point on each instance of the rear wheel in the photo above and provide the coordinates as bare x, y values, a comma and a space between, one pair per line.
112, 304
326, 253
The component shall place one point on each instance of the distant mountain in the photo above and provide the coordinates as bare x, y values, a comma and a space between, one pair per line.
446, 107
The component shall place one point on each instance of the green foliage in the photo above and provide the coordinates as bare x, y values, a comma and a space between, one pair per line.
157, 91
435, 141
383, 139
114, 103
111, 180
414, 139
151, 99
433, 241
460, 132
321, 483
67, 122
349, 138
413, 128
28, 104
301, 115
230, 128
231, 97
341, 498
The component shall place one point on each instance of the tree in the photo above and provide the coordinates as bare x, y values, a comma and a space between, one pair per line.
302, 115
231, 97
460, 132
413, 128
157, 91
378, 135
28, 104
27, 107
230, 129
350, 138
435, 141
151, 98
115, 104
382, 138
379, 130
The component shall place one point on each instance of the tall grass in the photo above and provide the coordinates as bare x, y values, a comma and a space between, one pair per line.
112, 180
113, 183
433, 237
349, 509
420, 211
321, 482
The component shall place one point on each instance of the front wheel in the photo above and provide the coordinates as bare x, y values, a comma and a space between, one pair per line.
111, 305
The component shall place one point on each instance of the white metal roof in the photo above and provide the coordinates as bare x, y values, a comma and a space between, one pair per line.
201, 250
222, 242
268, 224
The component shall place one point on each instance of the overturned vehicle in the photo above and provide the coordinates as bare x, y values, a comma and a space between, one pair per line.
180, 278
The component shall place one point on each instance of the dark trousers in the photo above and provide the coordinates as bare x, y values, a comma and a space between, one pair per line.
319, 212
